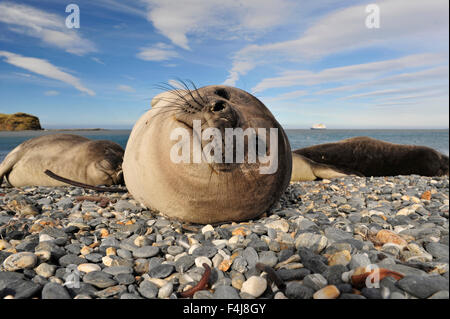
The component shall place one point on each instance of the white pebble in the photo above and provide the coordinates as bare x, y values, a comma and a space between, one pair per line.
165, 291
45, 237
207, 228
192, 248
199, 261
254, 286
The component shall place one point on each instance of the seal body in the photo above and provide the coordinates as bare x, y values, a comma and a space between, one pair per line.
366, 156
205, 192
74, 157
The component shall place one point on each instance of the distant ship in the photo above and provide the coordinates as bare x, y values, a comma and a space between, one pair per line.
318, 127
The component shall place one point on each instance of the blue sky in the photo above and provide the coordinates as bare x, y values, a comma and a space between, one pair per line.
308, 61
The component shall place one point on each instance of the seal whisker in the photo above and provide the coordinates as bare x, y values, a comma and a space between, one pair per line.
189, 91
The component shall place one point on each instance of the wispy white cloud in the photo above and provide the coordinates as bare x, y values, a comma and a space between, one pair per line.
176, 84
177, 19
49, 28
44, 68
365, 71
404, 24
286, 96
434, 74
433, 89
157, 52
125, 88
95, 59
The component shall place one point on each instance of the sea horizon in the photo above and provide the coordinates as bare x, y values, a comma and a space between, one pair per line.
437, 139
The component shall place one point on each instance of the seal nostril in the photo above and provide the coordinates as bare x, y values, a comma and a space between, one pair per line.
218, 106
223, 94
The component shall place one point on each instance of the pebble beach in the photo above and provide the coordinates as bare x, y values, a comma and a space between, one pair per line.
72, 243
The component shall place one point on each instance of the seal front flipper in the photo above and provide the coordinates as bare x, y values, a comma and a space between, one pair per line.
305, 169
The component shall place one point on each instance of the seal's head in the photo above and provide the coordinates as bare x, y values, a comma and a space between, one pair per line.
232, 130
107, 163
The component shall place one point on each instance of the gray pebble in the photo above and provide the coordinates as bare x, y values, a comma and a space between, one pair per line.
54, 291
226, 292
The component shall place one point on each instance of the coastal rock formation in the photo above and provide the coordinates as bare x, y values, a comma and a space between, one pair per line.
19, 122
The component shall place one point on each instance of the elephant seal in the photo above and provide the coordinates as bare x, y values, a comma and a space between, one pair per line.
366, 156
74, 157
206, 191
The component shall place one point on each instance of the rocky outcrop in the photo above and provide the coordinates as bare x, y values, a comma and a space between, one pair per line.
19, 122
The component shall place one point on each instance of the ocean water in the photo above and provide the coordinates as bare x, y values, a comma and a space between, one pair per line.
436, 139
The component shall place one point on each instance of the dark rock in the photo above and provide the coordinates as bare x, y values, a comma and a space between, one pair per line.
225, 292
99, 279
423, 286
438, 251
371, 293
148, 289
184, 263
295, 290
146, 252
208, 251
12, 283
161, 271
70, 259
334, 274
351, 296
54, 291
124, 279
292, 274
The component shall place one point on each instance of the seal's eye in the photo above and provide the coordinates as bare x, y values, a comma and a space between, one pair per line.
223, 94
218, 106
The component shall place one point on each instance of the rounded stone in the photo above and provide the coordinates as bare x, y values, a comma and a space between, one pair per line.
148, 289
199, 261
54, 291
99, 279
280, 224
225, 292
161, 271
22, 260
312, 241
146, 252
328, 292
296, 290
254, 286
315, 281
45, 270
88, 267
70, 259
340, 258
165, 291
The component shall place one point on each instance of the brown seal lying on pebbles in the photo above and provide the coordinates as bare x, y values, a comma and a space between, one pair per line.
206, 191
74, 157
366, 156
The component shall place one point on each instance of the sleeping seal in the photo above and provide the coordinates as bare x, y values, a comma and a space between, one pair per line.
194, 188
71, 156
365, 156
